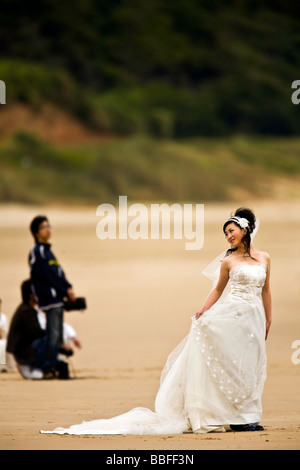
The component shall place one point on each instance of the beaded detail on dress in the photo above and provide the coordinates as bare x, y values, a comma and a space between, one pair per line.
239, 384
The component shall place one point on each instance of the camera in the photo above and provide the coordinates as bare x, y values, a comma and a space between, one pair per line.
79, 304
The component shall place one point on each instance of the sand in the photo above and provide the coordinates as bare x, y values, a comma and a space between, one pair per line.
141, 295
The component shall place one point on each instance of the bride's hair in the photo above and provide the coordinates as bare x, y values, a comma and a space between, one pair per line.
246, 214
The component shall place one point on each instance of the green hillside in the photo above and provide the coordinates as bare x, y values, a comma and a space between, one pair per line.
33, 171
175, 68
195, 96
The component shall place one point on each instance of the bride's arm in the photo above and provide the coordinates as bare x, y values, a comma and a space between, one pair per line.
216, 293
266, 299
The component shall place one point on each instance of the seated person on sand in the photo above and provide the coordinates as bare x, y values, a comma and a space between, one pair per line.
27, 340
24, 330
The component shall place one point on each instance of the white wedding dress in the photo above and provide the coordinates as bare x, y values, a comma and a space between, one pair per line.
214, 377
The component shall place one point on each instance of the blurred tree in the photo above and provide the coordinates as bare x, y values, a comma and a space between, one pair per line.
239, 57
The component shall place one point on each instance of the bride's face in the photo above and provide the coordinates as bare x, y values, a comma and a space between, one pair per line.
234, 234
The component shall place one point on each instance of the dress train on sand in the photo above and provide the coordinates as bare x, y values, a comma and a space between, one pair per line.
214, 377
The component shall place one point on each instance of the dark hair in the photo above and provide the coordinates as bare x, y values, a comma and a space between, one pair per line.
246, 214
35, 224
26, 291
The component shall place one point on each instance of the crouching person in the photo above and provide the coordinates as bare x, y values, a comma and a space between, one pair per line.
24, 332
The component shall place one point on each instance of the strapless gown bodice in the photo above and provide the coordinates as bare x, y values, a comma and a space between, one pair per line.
247, 281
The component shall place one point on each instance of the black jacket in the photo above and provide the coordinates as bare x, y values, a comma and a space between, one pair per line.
48, 280
23, 331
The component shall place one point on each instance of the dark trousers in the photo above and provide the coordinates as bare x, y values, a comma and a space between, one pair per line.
48, 347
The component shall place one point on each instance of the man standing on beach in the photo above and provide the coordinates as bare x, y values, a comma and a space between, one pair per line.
50, 287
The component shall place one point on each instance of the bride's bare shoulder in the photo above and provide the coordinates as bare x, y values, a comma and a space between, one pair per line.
228, 262
263, 256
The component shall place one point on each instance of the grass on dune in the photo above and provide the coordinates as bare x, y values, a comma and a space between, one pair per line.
143, 168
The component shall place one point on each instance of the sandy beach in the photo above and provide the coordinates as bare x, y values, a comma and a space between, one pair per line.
141, 295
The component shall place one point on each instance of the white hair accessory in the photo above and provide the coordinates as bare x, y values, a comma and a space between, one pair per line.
241, 221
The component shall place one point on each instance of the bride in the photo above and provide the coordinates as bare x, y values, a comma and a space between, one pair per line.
214, 379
